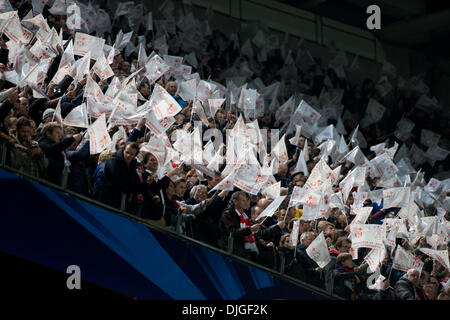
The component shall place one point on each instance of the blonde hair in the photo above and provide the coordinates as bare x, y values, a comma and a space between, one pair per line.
105, 155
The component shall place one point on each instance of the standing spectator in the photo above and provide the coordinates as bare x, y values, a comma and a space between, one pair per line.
27, 156
234, 219
120, 175
346, 281
54, 146
312, 270
405, 288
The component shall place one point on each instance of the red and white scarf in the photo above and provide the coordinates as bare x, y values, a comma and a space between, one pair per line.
250, 242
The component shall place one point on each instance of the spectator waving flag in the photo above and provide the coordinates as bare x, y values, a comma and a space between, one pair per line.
318, 251
163, 103
99, 138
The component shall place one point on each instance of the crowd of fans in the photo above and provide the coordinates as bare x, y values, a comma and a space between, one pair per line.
181, 196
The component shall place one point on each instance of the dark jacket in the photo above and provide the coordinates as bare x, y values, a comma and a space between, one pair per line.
118, 178
309, 266
5, 108
230, 222
404, 290
78, 181
343, 281
54, 153
98, 179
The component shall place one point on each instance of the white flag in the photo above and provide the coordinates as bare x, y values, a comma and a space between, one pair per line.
429, 138
214, 105
158, 127
163, 103
99, 138
396, 197
374, 257
436, 153
362, 214
188, 90
204, 90
85, 44
367, 236
297, 196
293, 237
227, 183
249, 179
271, 208
440, 255
318, 251
301, 165
78, 117
102, 68
404, 260
155, 68
272, 191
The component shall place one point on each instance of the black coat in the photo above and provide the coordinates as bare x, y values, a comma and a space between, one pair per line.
340, 279
53, 152
118, 178
309, 266
404, 290
230, 222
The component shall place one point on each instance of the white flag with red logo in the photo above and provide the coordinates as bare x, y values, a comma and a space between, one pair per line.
374, 257
204, 90
102, 68
271, 208
227, 183
78, 117
439, 255
85, 43
158, 127
362, 214
367, 236
382, 166
99, 138
293, 237
214, 105
404, 260
318, 251
155, 68
250, 179
163, 103
396, 197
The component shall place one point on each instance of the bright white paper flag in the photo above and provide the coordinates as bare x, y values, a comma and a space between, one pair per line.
163, 103
367, 236
271, 208
77, 117
439, 255
318, 251
99, 138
